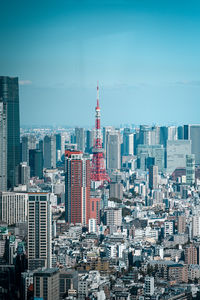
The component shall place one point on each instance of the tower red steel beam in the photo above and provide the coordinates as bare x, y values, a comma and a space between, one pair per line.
98, 171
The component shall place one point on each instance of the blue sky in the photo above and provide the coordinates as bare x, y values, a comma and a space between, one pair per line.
145, 55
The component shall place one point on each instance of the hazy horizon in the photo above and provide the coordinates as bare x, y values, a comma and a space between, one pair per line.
145, 55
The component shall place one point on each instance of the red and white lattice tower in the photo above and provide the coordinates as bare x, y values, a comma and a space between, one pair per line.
98, 171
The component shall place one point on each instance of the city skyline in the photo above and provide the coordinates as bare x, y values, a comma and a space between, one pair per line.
144, 55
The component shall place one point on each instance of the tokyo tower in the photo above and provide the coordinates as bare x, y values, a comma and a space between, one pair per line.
98, 171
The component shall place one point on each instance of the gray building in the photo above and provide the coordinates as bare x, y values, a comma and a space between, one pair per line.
113, 150
190, 169
24, 173
80, 139
128, 142
176, 154
9, 94
46, 284
192, 132
68, 280
116, 190
153, 177
39, 230
49, 152
13, 207
155, 153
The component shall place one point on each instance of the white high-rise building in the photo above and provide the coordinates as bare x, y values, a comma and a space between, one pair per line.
3, 146
39, 230
13, 207
113, 216
196, 225
149, 286
93, 225
168, 228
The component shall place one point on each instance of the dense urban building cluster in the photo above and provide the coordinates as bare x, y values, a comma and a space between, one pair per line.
86, 214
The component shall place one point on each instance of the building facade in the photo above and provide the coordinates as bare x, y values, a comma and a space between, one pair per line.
9, 94
39, 230
13, 207
77, 187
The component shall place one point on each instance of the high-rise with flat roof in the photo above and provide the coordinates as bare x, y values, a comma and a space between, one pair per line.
113, 150
80, 138
176, 154
77, 187
39, 230
9, 94
49, 152
46, 284
153, 177
192, 132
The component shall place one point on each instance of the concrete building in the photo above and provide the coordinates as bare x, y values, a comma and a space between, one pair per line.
153, 177
46, 284
153, 152
149, 286
68, 279
116, 190
90, 135
113, 150
128, 142
176, 154
26, 281
181, 224
196, 226
49, 152
191, 255
192, 132
190, 169
168, 228
13, 207
94, 212
24, 173
39, 230
113, 216
93, 225
80, 139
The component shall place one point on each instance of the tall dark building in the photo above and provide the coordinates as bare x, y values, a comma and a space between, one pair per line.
36, 163
9, 94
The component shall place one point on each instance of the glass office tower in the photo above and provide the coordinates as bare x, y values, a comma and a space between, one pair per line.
9, 94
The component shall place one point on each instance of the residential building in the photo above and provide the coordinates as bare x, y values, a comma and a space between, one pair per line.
39, 230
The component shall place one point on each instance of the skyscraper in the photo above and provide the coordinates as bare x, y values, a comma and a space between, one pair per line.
176, 154
9, 94
80, 138
3, 146
39, 230
77, 187
50, 152
192, 132
36, 163
113, 150
153, 177
128, 142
